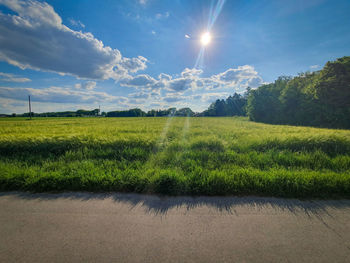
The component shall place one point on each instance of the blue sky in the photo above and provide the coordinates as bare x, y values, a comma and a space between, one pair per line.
78, 54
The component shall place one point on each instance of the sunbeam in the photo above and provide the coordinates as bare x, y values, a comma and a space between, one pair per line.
199, 60
214, 13
162, 136
205, 39
186, 128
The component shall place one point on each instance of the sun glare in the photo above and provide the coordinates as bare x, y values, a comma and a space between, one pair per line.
205, 38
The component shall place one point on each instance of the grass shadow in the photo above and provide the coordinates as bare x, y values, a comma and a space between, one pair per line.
160, 205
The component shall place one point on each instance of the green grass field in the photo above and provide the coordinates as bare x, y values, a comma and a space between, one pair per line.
195, 156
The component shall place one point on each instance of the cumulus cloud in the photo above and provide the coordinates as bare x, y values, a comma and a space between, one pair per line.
164, 77
191, 73
12, 78
234, 78
58, 95
140, 95
34, 37
134, 64
142, 80
89, 85
314, 66
237, 79
179, 84
255, 82
241, 74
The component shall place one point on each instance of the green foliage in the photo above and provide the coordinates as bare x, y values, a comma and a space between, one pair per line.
174, 155
314, 99
152, 113
184, 112
127, 113
232, 106
78, 113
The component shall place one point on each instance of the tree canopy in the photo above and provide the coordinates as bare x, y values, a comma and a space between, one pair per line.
320, 98
232, 106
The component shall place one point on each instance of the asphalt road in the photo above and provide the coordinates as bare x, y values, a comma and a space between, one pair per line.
82, 227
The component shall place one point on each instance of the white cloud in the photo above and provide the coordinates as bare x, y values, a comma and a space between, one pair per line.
142, 80
191, 73
190, 85
12, 78
314, 66
237, 74
89, 85
76, 23
58, 95
36, 38
237, 79
134, 64
178, 91
143, 2
155, 93
140, 95
179, 84
165, 77
153, 32
187, 36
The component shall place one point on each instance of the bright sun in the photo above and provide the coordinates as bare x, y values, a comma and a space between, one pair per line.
205, 38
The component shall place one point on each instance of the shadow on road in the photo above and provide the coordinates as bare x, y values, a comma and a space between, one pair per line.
162, 204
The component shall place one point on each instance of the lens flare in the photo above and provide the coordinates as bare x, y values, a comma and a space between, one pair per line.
214, 12
205, 38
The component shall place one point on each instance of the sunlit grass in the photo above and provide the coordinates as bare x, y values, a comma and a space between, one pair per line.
211, 156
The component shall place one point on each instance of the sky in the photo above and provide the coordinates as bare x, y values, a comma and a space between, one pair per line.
148, 54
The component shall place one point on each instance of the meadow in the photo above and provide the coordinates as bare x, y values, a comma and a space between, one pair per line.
173, 156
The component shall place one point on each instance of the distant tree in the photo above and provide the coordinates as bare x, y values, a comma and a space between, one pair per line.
185, 112
127, 113
232, 106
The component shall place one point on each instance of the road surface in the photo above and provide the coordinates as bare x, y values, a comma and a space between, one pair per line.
84, 227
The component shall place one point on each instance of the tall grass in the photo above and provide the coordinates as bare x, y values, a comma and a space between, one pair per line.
210, 156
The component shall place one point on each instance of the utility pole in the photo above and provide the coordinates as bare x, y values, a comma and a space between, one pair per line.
30, 108
99, 109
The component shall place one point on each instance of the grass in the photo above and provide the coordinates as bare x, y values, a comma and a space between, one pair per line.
196, 156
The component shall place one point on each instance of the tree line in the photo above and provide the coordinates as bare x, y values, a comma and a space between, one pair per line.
78, 113
320, 98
